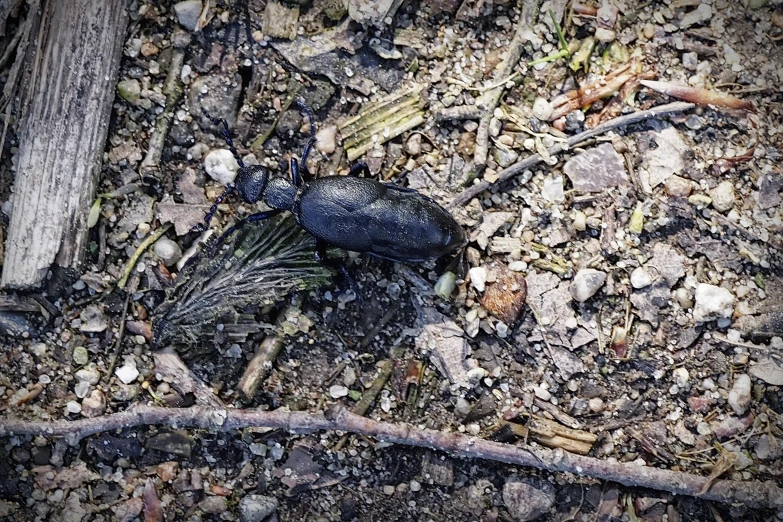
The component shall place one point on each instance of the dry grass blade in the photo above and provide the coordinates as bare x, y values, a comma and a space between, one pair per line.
263, 263
699, 95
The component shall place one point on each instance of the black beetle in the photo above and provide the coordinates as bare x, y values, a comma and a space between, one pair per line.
349, 212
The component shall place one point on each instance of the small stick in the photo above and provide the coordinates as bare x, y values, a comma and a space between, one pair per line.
118, 344
529, 162
267, 352
139, 251
754, 494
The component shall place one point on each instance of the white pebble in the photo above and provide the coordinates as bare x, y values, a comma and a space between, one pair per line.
640, 278
326, 139
338, 390
168, 250
73, 407
478, 277
127, 374
221, 166
739, 396
586, 283
415, 486
681, 377
542, 109
712, 302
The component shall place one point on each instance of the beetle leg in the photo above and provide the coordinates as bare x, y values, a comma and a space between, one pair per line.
320, 256
201, 227
360, 167
259, 216
295, 172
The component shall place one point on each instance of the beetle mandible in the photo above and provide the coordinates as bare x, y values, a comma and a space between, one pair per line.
350, 212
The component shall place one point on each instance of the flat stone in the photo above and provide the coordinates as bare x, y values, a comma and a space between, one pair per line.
768, 371
527, 498
255, 508
769, 190
662, 156
596, 169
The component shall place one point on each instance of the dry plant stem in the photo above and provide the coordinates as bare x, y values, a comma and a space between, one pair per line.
754, 494
267, 352
529, 162
139, 251
363, 406
120, 334
172, 88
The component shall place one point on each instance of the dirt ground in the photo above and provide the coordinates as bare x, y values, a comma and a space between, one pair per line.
620, 297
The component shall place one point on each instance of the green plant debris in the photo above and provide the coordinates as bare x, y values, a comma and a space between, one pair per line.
260, 264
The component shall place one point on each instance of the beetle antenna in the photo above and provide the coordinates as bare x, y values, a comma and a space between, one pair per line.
226, 135
309, 113
201, 227
309, 145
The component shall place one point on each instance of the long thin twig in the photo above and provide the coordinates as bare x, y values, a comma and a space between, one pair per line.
753, 494
139, 251
506, 174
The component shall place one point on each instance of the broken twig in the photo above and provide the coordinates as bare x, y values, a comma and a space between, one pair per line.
753, 494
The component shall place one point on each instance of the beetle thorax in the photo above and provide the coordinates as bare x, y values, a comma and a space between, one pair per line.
280, 193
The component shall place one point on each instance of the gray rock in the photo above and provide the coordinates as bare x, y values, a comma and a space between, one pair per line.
94, 405
586, 283
527, 498
769, 190
168, 250
129, 90
93, 320
596, 169
542, 109
188, 13
574, 121
712, 302
505, 157
216, 94
768, 370
255, 508
698, 15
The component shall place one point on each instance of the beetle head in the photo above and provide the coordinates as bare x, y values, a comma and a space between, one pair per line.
251, 182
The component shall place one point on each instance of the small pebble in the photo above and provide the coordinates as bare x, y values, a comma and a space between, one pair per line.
388, 490
640, 278
712, 302
415, 486
221, 166
579, 221
168, 250
326, 139
542, 109
739, 396
683, 298
478, 277
542, 393
188, 13
681, 377
596, 405
338, 390
723, 196
586, 283
80, 356
126, 374
73, 407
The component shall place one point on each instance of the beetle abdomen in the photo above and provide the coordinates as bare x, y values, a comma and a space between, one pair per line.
363, 215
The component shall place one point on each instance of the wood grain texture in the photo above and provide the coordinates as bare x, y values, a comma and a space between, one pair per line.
62, 136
